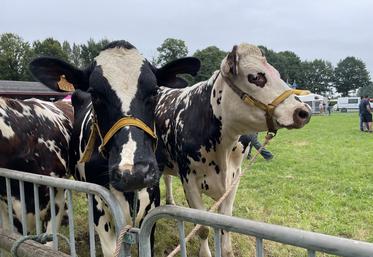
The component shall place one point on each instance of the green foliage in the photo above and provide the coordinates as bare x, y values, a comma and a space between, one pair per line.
90, 50
14, 57
367, 90
316, 76
287, 63
49, 47
210, 58
75, 55
291, 66
350, 73
171, 49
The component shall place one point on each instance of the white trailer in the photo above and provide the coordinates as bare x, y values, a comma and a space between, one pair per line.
348, 104
313, 100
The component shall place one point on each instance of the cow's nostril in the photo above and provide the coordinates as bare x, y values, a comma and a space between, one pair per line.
303, 114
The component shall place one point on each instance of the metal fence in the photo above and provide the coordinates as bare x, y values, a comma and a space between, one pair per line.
68, 186
312, 242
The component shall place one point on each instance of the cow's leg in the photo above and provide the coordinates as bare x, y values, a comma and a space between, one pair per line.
60, 212
5, 224
226, 208
194, 198
104, 227
169, 195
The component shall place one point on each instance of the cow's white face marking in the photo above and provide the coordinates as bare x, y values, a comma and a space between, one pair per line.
127, 154
123, 78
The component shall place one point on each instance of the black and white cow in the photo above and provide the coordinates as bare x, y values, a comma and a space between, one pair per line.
199, 127
34, 137
119, 83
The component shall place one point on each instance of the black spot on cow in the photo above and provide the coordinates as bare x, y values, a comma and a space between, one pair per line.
234, 148
97, 214
220, 91
213, 93
194, 172
218, 101
217, 169
245, 140
212, 163
106, 227
203, 159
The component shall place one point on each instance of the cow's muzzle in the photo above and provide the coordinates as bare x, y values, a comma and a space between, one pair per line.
138, 177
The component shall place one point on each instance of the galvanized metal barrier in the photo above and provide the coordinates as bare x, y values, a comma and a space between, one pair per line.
312, 242
68, 186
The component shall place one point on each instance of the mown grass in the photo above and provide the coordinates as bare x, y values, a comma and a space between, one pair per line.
320, 180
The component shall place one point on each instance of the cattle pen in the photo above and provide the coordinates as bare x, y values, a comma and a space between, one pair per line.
312, 242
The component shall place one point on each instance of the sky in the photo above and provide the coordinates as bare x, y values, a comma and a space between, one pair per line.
322, 29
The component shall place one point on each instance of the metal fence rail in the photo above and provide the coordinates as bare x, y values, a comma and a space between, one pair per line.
68, 186
313, 242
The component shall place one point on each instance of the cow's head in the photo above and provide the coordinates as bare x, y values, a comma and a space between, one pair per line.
121, 83
257, 83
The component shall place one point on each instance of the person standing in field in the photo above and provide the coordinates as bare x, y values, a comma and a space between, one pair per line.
321, 107
360, 114
366, 113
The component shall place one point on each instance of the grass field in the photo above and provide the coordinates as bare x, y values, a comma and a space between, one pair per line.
320, 180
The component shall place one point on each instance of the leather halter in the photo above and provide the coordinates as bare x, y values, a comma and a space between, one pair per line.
269, 109
121, 123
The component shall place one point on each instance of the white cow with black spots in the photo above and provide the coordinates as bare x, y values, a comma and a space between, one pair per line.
200, 127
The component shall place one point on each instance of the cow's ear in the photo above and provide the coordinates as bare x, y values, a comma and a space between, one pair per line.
58, 75
166, 75
230, 63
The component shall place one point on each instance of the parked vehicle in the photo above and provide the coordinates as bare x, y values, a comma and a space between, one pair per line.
348, 104
313, 100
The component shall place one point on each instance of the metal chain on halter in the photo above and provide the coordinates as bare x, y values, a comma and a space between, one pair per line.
217, 204
125, 229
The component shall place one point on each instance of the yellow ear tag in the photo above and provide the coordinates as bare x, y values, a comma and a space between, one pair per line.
64, 85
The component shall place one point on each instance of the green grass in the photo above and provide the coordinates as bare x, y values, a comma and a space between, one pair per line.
319, 180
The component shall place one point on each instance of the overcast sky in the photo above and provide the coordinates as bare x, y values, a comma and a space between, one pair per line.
326, 29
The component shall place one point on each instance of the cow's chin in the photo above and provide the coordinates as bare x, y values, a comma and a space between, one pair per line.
129, 182
292, 125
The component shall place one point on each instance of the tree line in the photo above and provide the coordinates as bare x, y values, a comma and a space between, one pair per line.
318, 76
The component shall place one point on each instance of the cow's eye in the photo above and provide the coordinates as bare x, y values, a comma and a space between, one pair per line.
257, 79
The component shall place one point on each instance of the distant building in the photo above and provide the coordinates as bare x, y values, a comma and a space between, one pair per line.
27, 89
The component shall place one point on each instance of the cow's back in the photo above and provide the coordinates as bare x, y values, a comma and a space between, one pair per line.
35, 135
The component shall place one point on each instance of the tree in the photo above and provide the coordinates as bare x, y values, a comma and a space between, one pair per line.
210, 58
75, 55
15, 55
90, 50
171, 49
287, 63
49, 47
350, 73
291, 65
367, 90
316, 76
